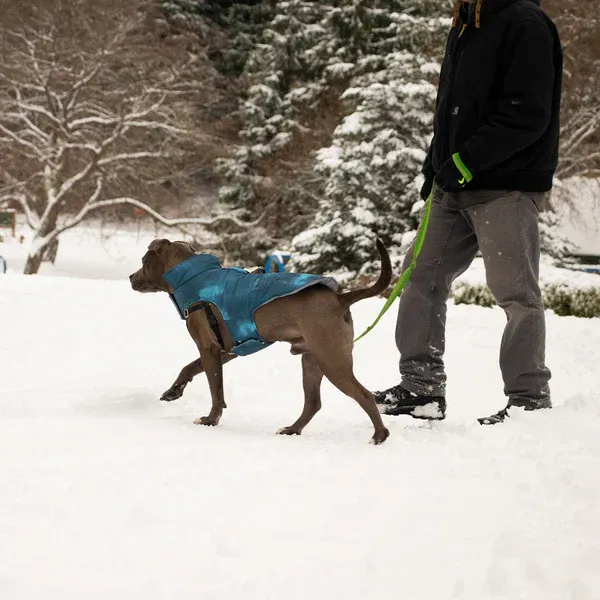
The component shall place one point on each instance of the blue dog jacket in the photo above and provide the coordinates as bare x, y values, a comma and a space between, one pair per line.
236, 293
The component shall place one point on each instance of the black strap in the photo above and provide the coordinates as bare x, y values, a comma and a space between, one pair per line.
212, 319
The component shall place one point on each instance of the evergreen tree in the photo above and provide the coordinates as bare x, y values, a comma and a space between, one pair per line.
312, 54
287, 83
284, 74
240, 23
371, 169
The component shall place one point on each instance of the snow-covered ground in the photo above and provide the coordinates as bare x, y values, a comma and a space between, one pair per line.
97, 252
107, 493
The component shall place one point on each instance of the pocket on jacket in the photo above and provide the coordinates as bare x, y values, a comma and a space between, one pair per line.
464, 121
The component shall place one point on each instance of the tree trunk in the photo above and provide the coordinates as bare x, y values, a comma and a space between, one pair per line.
39, 250
34, 260
50, 252
40, 244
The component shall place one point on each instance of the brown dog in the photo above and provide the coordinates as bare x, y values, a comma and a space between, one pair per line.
316, 321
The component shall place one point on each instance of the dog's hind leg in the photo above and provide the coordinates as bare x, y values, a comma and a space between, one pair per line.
332, 349
311, 382
343, 378
186, 376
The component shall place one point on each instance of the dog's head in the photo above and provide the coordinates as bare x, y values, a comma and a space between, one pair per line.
161, 256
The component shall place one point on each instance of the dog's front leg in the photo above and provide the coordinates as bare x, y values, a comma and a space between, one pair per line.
211, 358
211, 355
187, 374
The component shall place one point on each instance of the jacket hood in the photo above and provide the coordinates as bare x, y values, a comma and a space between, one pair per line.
482, 9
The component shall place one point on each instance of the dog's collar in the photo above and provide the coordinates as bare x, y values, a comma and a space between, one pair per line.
189, 268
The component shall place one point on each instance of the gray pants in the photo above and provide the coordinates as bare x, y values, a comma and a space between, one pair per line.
504, 226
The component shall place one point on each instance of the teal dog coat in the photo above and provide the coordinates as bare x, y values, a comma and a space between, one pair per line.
236, 293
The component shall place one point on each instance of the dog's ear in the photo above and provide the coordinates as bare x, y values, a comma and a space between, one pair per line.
189, 246
157, 246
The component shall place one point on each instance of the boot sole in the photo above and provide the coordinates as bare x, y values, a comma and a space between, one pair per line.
432, 411
492, 420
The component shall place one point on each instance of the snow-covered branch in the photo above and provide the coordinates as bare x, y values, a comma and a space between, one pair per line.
125, 200
30, 217
21, 141
81, 102
577, 133
20, 198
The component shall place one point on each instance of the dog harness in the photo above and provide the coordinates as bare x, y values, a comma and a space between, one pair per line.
236, 293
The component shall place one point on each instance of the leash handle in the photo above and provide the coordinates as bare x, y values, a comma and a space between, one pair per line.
421, 232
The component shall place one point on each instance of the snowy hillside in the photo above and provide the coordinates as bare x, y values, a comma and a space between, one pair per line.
107, 493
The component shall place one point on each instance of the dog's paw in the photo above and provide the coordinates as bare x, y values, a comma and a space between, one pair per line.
209, 421
173, 393
288, 431
380, 436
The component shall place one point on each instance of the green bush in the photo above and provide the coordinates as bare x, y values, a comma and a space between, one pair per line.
576, 302
465, 293
564, 300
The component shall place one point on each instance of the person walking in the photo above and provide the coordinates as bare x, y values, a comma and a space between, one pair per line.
490, 165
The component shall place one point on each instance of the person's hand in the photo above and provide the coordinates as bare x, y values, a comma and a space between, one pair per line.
454, 175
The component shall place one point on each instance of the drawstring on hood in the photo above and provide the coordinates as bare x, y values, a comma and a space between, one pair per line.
477, 13
456, 12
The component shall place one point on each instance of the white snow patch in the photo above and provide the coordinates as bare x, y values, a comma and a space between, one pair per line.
549, 274
330, 157
428, 411
107, 493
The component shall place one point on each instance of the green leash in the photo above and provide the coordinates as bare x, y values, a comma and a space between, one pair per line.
406, 275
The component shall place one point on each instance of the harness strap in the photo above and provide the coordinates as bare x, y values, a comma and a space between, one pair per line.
212, 319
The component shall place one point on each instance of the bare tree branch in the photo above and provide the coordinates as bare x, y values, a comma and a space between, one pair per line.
96, 113
22, 141
95, 206
126, 156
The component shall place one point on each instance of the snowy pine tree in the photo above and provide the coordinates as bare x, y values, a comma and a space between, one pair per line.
236, 26
312, 56
284, 75
553, 243
371, 169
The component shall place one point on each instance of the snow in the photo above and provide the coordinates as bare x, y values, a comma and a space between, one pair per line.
580, 218
97, 252
549, 275
331, 157
107, 493
351, 125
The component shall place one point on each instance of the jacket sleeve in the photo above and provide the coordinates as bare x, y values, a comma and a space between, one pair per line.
523, 110
427, 168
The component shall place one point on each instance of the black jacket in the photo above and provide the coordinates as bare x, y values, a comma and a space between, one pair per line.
499, 97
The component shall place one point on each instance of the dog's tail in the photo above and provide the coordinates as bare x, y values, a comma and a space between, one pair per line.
378, 287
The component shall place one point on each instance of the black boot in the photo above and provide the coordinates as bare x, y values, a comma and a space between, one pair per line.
525, 403
399, 401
